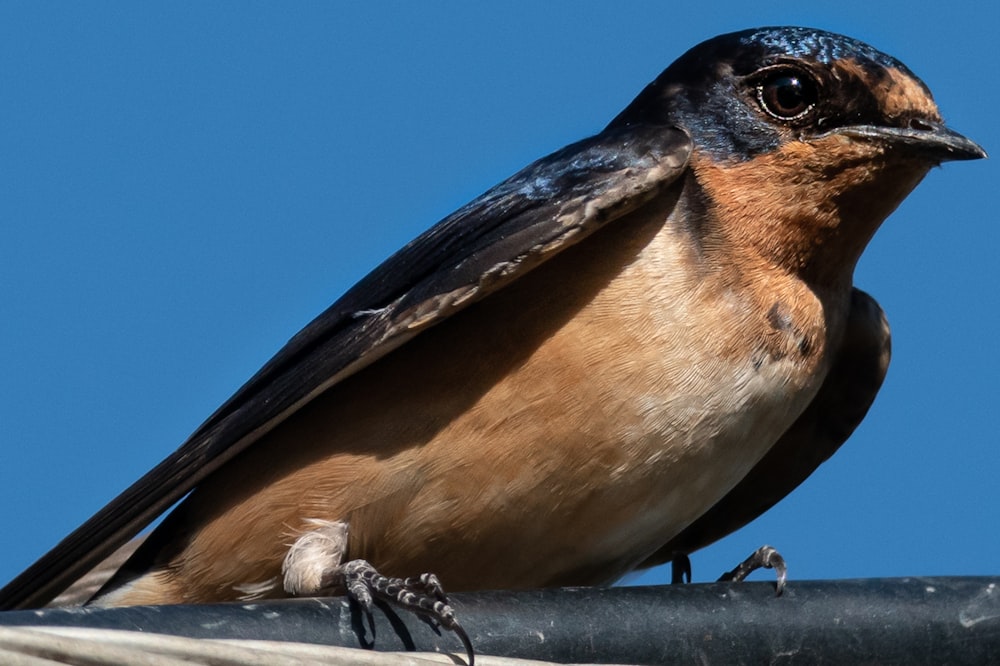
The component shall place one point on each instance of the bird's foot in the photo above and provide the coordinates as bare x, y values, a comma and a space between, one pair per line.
314, 565
764, 557
421, 595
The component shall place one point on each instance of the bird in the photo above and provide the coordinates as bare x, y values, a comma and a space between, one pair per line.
618, 355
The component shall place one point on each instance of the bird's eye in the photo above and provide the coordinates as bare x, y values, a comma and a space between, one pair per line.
787, 94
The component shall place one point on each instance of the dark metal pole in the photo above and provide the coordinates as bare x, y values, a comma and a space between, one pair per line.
885, 621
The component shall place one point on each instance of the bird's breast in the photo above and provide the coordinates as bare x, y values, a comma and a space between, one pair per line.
638, 386
557, 432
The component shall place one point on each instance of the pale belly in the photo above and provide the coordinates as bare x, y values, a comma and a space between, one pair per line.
613, 471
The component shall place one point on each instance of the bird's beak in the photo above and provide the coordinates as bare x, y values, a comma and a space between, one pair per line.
927, 138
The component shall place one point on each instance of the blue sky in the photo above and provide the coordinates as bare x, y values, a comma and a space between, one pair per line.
187, 184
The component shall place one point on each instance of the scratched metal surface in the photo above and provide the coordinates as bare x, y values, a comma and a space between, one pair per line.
888, 621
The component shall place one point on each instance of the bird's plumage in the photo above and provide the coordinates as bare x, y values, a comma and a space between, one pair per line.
619, 354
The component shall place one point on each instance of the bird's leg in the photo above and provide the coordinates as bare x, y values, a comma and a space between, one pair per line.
764, 557
314, 563
680, 569
314, 558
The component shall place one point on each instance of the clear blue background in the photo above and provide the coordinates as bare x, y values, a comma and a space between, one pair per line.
185, 185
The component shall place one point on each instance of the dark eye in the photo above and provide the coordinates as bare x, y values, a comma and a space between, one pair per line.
787, 94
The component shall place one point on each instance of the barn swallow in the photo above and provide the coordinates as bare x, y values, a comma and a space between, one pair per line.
615, 357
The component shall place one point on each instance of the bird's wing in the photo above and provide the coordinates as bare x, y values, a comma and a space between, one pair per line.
548, 206
847, 393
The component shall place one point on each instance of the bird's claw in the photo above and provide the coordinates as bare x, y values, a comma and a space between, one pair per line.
421, 595
764, 557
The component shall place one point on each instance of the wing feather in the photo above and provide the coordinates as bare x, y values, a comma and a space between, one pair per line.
551, 204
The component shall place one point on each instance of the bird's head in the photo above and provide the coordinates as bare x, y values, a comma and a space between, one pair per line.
804, 140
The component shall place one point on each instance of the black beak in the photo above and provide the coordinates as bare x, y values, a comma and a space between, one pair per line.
929, 139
